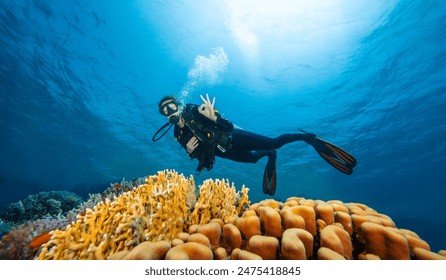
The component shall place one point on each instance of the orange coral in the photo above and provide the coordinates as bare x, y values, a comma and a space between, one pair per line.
249, 237
149, 251
291, 218
345, 220
220, 254
238, 254
249, 224
327, 254
270, 221
199, 238
266, 247
308, 214
385, 242
414, 240
212, 231
325, 212
232, 237
338, 240
297, 244
190, 251
423, 254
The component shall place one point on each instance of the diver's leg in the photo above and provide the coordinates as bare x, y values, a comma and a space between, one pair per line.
245, 156
243, 140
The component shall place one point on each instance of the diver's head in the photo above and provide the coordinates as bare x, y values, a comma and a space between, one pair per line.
170, 108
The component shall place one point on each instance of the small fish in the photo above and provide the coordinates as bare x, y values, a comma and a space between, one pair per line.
38, 241
6, 237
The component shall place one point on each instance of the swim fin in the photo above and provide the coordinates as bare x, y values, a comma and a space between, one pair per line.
335, 156
269, 175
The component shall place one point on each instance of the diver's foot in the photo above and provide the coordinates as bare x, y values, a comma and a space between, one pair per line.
307, 136
272, 155
269, 175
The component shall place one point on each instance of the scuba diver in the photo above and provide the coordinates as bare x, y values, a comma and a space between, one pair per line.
205, 134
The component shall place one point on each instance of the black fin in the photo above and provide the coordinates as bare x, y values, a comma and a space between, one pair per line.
335, 156
269, 175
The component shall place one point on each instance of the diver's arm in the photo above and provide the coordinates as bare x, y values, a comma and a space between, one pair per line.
207, 108
223, 124
220, 124
191, 145
187, 142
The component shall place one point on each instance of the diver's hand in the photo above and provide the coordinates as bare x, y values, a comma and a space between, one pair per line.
192, 144
207, 108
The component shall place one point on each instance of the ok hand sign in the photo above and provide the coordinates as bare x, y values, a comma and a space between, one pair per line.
207, 108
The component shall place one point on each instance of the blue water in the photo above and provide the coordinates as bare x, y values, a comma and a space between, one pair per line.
80, 82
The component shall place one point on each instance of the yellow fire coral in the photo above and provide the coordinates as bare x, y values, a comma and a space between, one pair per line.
157, 210
165, 219
218, 200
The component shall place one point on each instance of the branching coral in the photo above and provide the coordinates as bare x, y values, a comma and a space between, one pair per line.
218, 200
52, 204
152, 211
163, 207
5, 227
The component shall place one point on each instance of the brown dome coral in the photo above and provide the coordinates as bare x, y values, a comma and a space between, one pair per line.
164, 219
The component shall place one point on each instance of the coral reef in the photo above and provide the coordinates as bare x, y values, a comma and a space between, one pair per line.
21, 234
158, 210
24, 221
300, 229
5, 227
167, 218
18, 245
43, 205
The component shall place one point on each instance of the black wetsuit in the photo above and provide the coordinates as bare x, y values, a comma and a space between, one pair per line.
243, 146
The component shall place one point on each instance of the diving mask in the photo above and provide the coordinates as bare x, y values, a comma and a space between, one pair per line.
170, 109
